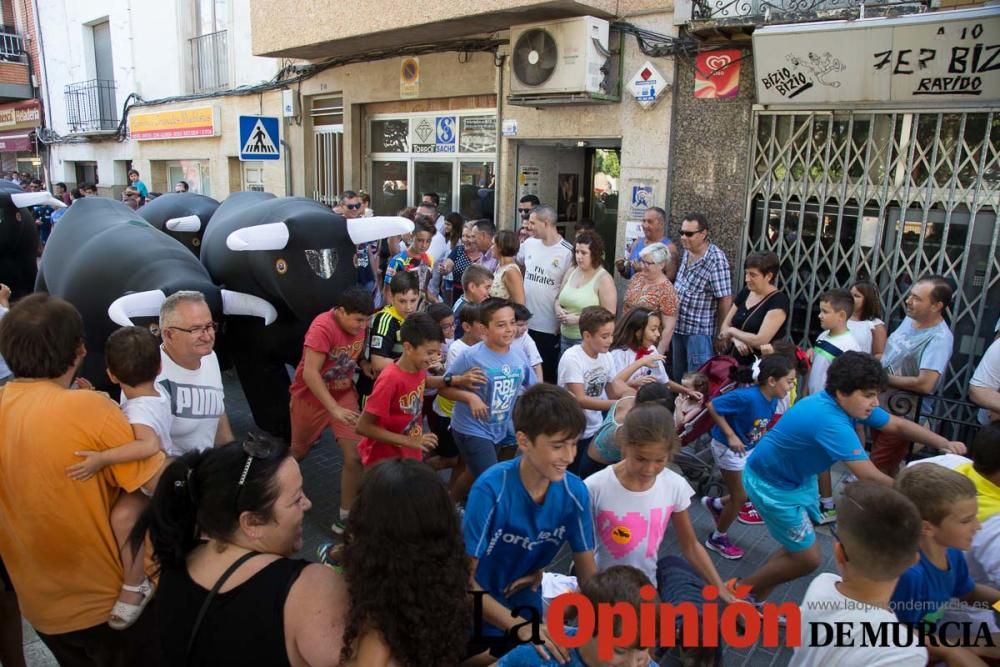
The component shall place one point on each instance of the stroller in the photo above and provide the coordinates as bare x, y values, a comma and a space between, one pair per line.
695, 457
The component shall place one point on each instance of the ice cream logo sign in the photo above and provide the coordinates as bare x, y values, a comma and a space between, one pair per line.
802, 73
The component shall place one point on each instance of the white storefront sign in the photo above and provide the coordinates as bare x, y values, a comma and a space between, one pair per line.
951, 56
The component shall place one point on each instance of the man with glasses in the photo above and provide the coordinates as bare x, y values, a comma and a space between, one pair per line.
190, 373
704, 292
654, 230
366, 258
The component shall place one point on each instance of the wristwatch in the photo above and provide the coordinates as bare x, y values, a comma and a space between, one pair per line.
447, 379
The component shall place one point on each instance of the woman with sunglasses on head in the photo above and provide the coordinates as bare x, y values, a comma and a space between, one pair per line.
406, 570
224, 523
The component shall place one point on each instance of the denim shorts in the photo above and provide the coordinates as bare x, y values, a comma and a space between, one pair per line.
787, 513
477, 452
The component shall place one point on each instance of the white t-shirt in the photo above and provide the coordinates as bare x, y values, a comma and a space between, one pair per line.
544, 267
862, 331
526, 344
578, 367
154, 412
197, 400
629, 525
823, 356
623, 358
987, 375
825, 604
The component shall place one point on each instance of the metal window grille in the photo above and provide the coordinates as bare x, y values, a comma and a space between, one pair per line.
210, 62
327, 114
11, 46
764, 10
91, 106
885, 196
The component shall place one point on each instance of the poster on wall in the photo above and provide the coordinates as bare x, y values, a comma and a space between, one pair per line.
527, 180
409, 78
434, 134
569, 193
479, 134
717, 74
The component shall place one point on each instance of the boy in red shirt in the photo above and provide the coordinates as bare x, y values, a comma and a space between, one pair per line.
323, 392
392, 422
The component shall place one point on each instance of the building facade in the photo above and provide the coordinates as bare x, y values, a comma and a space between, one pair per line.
150, 86
404, 103
20, 90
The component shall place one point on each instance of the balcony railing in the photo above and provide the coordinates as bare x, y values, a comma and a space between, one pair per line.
762, 11
91, 106
11, 46
210, 62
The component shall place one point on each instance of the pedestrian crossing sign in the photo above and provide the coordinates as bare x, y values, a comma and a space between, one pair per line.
259, 138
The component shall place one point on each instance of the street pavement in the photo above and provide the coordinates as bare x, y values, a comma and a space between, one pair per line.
321, 474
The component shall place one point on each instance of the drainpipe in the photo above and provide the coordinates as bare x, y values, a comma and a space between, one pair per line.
497, 170
288, 168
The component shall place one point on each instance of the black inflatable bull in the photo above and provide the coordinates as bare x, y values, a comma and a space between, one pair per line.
295, 254
182, 215
19, 237
117, 270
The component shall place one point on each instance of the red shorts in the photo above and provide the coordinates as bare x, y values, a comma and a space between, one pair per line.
309, 420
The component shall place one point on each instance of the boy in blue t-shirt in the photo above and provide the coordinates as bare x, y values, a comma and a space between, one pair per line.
947, 503
620, 584
741, 418
481, 421
780, 473
519, 515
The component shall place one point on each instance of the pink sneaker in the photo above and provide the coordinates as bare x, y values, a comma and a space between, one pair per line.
708, 502
748, 515
722, 546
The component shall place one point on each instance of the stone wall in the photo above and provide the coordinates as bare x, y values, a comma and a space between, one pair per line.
710, 151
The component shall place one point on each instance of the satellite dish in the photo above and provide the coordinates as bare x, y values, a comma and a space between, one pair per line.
535, 57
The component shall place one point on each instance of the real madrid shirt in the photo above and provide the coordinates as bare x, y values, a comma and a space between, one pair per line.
505, 374
544, 267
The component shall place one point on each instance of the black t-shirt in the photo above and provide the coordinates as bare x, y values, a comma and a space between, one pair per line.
751, 319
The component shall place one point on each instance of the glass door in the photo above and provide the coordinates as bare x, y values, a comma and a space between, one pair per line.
437, 176
390, 186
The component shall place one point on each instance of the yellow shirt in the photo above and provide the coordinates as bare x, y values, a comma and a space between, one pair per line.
55, 534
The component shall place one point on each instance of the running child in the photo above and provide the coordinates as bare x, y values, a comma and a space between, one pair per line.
741, 418
634, 500
521, 512
476, 282
133, 358
524, 342
818, 431
384, 344
604, 449
482, 421
415, 260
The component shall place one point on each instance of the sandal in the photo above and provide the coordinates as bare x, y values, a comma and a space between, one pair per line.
124, 614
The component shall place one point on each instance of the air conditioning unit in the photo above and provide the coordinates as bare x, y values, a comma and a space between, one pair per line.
566, 60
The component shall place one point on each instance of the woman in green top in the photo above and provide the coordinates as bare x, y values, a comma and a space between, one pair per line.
588, 284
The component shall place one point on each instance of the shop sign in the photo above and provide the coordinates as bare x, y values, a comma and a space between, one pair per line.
717, 74
15, 143
434, 134
479, 134
179, 124
509, 127
21, 115
950, 56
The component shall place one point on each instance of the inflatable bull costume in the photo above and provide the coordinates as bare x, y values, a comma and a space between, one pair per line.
19, 237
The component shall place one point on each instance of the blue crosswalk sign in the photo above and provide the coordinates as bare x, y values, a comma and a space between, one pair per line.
259, 138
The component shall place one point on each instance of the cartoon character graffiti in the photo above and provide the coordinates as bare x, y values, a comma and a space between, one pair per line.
820, 66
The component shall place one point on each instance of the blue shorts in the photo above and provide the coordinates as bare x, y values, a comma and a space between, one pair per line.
787, 513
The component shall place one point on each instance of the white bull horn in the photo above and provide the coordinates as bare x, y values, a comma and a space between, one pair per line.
366, 230
28, 199
187, 223
272, 236
240, 303
137, 304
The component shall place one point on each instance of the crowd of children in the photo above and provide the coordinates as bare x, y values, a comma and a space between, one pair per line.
536, 467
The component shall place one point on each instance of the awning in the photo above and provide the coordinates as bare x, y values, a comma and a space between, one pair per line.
15, 142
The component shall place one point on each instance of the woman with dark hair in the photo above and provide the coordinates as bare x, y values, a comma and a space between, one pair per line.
223, 524
588, 284
442, 282
508, 283
759, 311
406, 571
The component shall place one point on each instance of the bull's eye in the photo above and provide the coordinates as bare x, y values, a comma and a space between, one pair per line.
322, 262
154, 328
196, 242
281, 266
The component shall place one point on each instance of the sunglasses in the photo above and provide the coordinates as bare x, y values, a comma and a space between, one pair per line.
254, 448
690, 234
353, 207
525, 212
